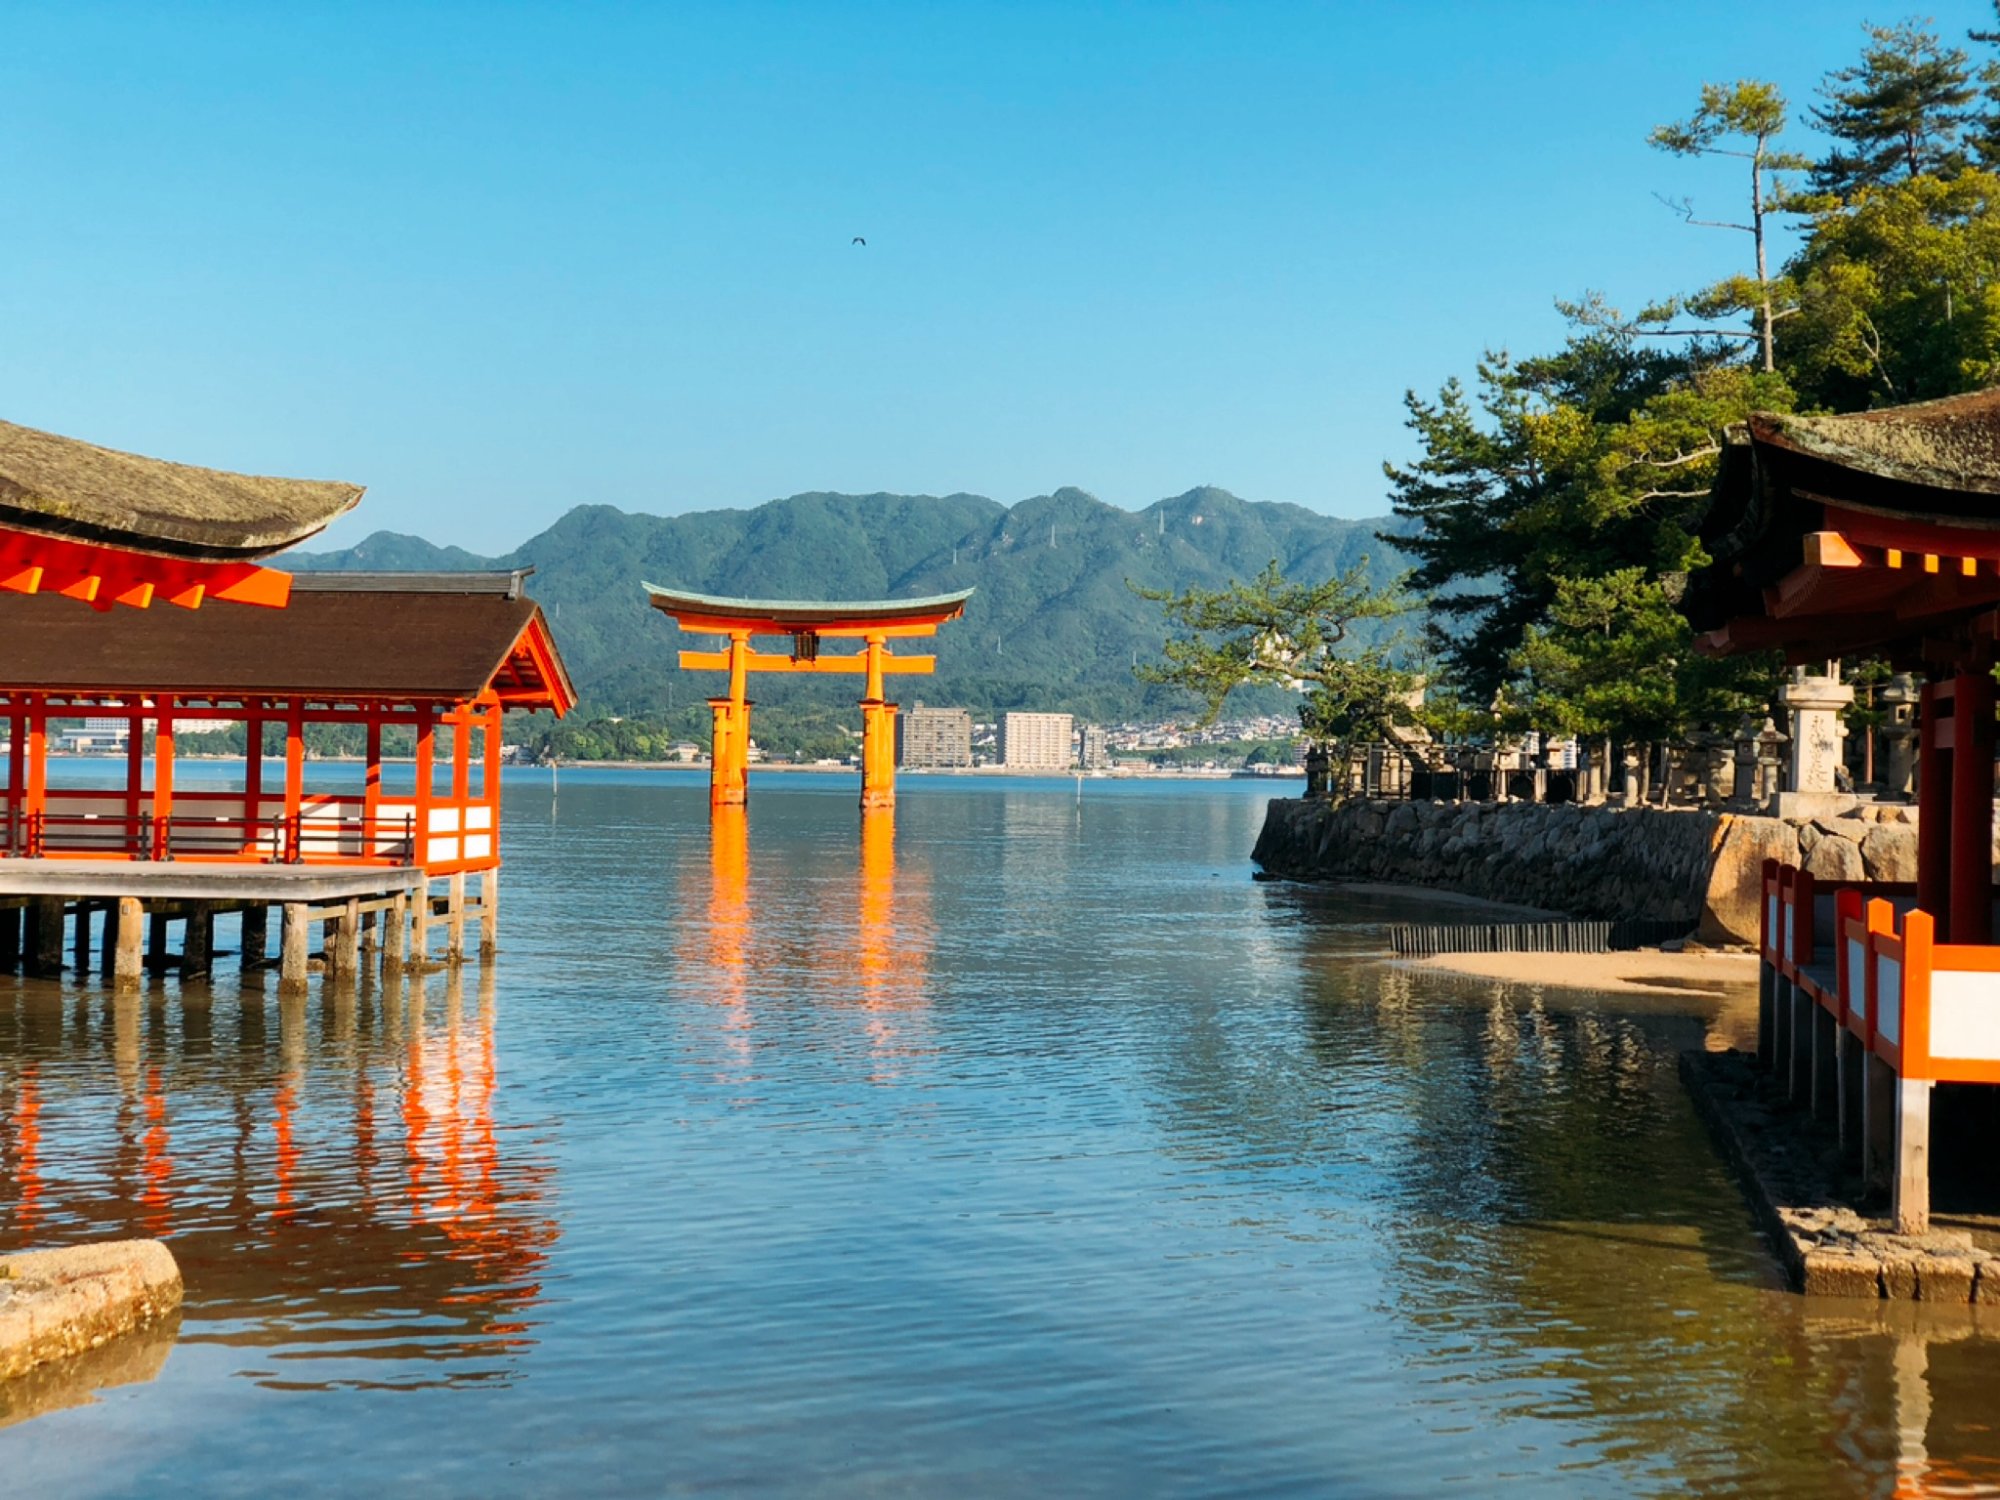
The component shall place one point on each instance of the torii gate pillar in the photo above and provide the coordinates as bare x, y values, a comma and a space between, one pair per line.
878, 735
729, 744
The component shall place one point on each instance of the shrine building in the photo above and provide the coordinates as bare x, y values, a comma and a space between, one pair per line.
1878, 535
450, 653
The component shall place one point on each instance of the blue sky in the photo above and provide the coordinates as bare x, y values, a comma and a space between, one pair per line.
496, 260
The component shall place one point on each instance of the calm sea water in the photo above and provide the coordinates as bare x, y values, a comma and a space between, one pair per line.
1023, 1147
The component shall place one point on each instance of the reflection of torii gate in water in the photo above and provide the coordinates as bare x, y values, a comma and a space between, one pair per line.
874, 622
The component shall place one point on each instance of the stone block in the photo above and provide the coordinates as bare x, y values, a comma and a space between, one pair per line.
56, 1303
1899, 1277
1837, 1273
1730, 911
1835, 859
1889, 852
1945, 1278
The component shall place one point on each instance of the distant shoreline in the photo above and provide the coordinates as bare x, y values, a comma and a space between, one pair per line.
782, 768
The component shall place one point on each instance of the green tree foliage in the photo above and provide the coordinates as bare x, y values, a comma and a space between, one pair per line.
1302, 636
1902, 112
1741, 120
1899, 295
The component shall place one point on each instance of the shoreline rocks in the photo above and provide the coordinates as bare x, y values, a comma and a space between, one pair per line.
58, 1303
1611, 863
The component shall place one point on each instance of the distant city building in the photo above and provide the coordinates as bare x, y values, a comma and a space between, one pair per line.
1095, 746
1036, 742
932, 738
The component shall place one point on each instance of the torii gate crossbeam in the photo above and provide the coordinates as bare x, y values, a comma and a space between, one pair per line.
874, 623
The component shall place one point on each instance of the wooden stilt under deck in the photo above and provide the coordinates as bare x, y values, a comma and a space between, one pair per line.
454, 948
489, 914
294, 938
128, 966
256, 936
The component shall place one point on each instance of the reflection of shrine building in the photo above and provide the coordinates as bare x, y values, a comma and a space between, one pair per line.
331, 1178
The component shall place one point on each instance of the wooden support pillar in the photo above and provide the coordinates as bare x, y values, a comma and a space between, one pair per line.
343, 948
1826, 1029
198, 940
371, 785
489, 913
156, 942
163, 779
35, 794
396, 948
10, 938
729, 746
454, 943
295, 782
1781, 1025
1910, 1200
127, 964
1971, 810
1934, 802
294, 941
253, 782
256, 936
17, 782
420, 852
138, 839
1878, 1124
420, 922
878, 734
1799, 1065
45, 959
1767, 989
80, 939
1848, 1083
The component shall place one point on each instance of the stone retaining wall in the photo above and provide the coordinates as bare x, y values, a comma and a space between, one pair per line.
1599, 862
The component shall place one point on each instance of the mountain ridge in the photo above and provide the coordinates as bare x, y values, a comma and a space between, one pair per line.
1052, 623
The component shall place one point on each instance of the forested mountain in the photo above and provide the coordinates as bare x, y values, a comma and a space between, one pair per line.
1052, 625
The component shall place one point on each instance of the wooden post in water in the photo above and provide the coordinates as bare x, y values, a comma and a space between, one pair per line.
10, 938
81, 938
489, 914
48, 922
107, 945
454, 943
256, 935
294, 937
1911, 1194
420, 922
343, 953
396, 948
128, 964
156, 942
198, 942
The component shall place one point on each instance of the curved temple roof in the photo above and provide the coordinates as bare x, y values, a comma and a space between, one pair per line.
787, 615
61, 487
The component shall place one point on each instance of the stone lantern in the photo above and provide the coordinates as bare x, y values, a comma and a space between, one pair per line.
1318, 762
1814, 705
1771, 742
1744, 792
1899, 737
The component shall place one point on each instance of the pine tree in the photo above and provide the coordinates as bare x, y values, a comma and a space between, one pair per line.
1901, 112
1742, 120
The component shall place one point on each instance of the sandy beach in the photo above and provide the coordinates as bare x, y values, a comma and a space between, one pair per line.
1646, 972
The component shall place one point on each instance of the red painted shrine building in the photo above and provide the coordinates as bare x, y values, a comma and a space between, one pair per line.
89, 538
440, 656
1878, 535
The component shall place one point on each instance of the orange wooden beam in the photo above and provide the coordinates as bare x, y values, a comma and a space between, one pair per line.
761, 661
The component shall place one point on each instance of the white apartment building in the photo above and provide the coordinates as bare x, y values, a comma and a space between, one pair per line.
1036, 742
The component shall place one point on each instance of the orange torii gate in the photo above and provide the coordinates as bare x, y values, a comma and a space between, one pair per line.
874, 622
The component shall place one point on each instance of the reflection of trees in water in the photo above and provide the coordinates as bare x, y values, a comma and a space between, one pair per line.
1556, 1238
342, 1194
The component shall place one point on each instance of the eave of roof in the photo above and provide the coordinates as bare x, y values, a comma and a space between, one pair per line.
63, 487
805, 614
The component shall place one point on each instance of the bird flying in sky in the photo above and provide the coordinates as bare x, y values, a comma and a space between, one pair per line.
859, 241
